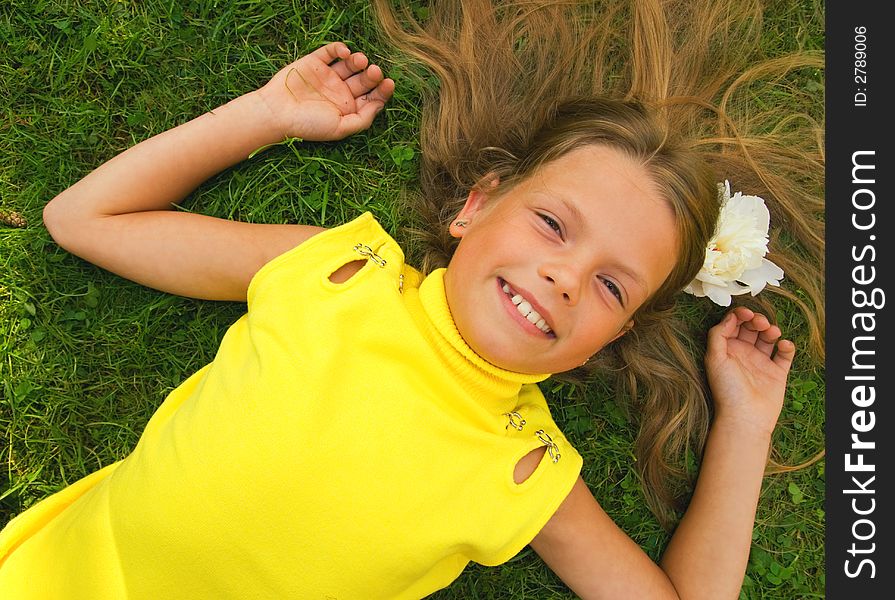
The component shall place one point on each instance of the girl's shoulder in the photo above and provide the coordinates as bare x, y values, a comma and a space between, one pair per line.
334, 255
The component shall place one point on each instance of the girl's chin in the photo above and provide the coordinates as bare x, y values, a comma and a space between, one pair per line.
516, 364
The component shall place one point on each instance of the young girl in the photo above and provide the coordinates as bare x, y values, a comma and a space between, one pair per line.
367, 429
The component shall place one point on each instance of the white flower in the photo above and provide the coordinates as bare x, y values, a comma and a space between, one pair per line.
734, 258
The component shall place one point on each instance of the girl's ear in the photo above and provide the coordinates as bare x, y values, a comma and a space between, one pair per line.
475, 202
628, 326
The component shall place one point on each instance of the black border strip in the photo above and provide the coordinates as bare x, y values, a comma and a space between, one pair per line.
859, 368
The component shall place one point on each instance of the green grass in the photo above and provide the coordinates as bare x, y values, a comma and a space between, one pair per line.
86, 357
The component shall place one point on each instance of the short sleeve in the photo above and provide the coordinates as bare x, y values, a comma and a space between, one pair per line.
534, 501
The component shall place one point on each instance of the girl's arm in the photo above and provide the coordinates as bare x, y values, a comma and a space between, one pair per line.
706, 558
119, 216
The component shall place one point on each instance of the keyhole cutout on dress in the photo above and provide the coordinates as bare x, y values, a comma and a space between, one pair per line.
528, 463
346, 271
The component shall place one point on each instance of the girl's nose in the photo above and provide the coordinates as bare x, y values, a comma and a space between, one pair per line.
565, 279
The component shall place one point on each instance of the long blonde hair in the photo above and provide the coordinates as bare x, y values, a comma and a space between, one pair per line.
522, 82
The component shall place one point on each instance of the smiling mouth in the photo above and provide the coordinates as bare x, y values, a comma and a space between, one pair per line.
525, 309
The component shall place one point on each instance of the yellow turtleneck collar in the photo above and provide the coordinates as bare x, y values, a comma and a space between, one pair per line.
430, 303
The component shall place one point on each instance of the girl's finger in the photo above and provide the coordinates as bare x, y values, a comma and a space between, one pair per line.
786, 352
747, 334
365, 81
767, 339
330, 52
721, 333
351, 65
742, 314
376, 98
368, 107
750, 330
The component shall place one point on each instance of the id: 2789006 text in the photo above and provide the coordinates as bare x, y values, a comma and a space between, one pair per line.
861, 88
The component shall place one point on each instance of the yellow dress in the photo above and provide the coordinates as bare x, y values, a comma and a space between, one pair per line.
344, 443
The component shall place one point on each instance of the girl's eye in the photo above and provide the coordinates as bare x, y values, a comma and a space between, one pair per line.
552, 224
613, 288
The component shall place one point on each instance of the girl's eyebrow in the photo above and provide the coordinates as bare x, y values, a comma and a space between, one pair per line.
632, 275
573, 210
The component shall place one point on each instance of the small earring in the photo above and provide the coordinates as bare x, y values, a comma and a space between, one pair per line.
461, 223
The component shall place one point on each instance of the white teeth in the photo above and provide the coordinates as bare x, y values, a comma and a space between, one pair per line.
525, 309
533, 316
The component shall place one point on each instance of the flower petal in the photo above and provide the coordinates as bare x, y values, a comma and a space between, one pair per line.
718, 295
724, 192
766, 273
710, 278
735, 289
695, 288
775, 273
754, 208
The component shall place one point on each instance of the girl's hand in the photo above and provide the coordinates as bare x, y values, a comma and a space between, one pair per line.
326, 95
747, 365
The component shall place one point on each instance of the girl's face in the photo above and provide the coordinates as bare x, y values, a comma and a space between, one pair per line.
553, 270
